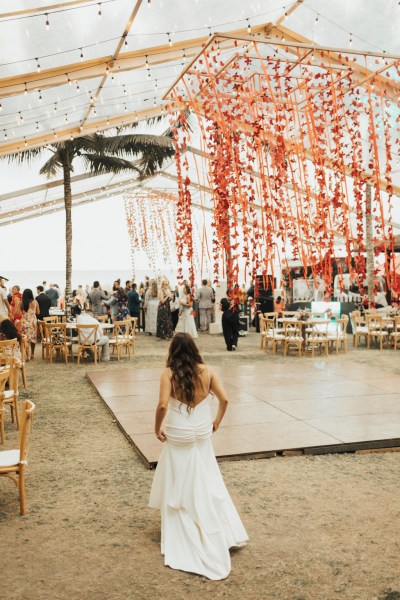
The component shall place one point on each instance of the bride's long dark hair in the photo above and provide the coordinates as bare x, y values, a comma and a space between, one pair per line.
183, 360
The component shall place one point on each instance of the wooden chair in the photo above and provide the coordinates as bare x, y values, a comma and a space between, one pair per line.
120, 339
102, 318
293, 331
4, 375
132, 332
317, 337
360, 330
370, 311
57, 340
288, 314
87, 340
273, 336
263, 331
53, 319
338, 338
395, 335
271, 316
23, 345
11, 395
13, 462
43, 340
376, 330
7, 350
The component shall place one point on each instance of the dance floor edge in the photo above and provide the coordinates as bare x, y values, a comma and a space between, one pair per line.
273, 410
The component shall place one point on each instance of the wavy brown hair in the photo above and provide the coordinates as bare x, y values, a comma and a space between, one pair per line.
183, 360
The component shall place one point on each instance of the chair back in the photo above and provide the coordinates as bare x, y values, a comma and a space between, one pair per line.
52, 319
27, 412
396, 324
370, 311
374, 323
56, 334
271, 316
293, 329
121, 331
7, 349
87, 334
4, 375
102, 318
318, 330
133, 321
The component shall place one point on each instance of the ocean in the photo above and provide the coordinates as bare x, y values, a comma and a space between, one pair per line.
31, 279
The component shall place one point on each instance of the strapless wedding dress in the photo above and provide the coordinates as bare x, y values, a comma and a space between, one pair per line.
199, 522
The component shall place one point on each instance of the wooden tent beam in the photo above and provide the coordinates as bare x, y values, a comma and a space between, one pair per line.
114, 58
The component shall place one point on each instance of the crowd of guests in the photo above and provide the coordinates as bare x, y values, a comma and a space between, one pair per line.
165, 309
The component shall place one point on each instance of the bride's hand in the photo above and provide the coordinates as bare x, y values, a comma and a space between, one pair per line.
160, 435
215, 426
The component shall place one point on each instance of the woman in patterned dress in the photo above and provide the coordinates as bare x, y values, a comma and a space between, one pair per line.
165, 329
122, 299
30, 309
151, 303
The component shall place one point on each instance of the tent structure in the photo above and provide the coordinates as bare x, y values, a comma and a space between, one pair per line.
78, 67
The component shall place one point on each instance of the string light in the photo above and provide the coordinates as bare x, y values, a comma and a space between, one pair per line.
126, 110
55, 107
66, 118
37, 65
1, 107
68, 79
21, 118
124, 89
148, 74
47, 22
147, 62
81, 57
184, 55
108, 121
155, 84
25, 142
5, 134
155, 102
209, 31
40, 95
107, 70
99, 13
55, 134
26, 89
316, 19
248, 26
169, 39
126, 40
77, 86
350, 40
37, 126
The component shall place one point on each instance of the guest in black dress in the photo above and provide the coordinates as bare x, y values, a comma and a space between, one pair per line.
230, 324
165, 328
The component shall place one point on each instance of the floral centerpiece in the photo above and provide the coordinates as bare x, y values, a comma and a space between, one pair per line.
303, 314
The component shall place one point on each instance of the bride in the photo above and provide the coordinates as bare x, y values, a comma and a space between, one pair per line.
186, 322
199, 522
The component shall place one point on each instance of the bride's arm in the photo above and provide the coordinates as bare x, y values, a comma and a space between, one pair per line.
217, 388
165, 393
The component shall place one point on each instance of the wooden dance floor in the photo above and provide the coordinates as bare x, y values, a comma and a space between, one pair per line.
274, 408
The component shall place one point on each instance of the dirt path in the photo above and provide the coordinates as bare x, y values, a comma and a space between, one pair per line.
320, 527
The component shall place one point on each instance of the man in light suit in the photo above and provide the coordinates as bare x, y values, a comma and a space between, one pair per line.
205, 296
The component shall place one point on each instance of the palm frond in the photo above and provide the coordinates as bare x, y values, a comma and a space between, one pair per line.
102, 164
51, 166
152, 160
135, 144
25, 156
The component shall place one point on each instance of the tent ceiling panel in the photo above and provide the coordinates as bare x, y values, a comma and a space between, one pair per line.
71, 33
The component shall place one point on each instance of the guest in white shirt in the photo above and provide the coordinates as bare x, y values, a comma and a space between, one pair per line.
102, 340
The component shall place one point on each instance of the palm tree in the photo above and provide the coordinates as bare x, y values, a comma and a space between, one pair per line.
100, 154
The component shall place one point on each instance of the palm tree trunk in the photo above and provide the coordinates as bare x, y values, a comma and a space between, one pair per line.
68, 230
369, 244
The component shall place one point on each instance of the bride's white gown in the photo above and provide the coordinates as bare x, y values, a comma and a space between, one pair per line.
186, 323
199, 522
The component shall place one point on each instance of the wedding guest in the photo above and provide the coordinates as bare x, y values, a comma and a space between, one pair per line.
8, 331
44, 303
101, 339
122, 300
186, 322
30, 310
205, 296
175, 307
164, 321
230, 324
16, 305
134, 302
53, 294
112, 302
279, 306
5, 308
151, 303
95, 298
128, 286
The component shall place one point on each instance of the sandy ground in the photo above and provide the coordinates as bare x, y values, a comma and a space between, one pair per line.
321, 527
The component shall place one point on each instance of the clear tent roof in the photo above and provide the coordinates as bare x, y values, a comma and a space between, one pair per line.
66, 69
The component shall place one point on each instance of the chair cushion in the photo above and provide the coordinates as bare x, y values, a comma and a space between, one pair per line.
9, 458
